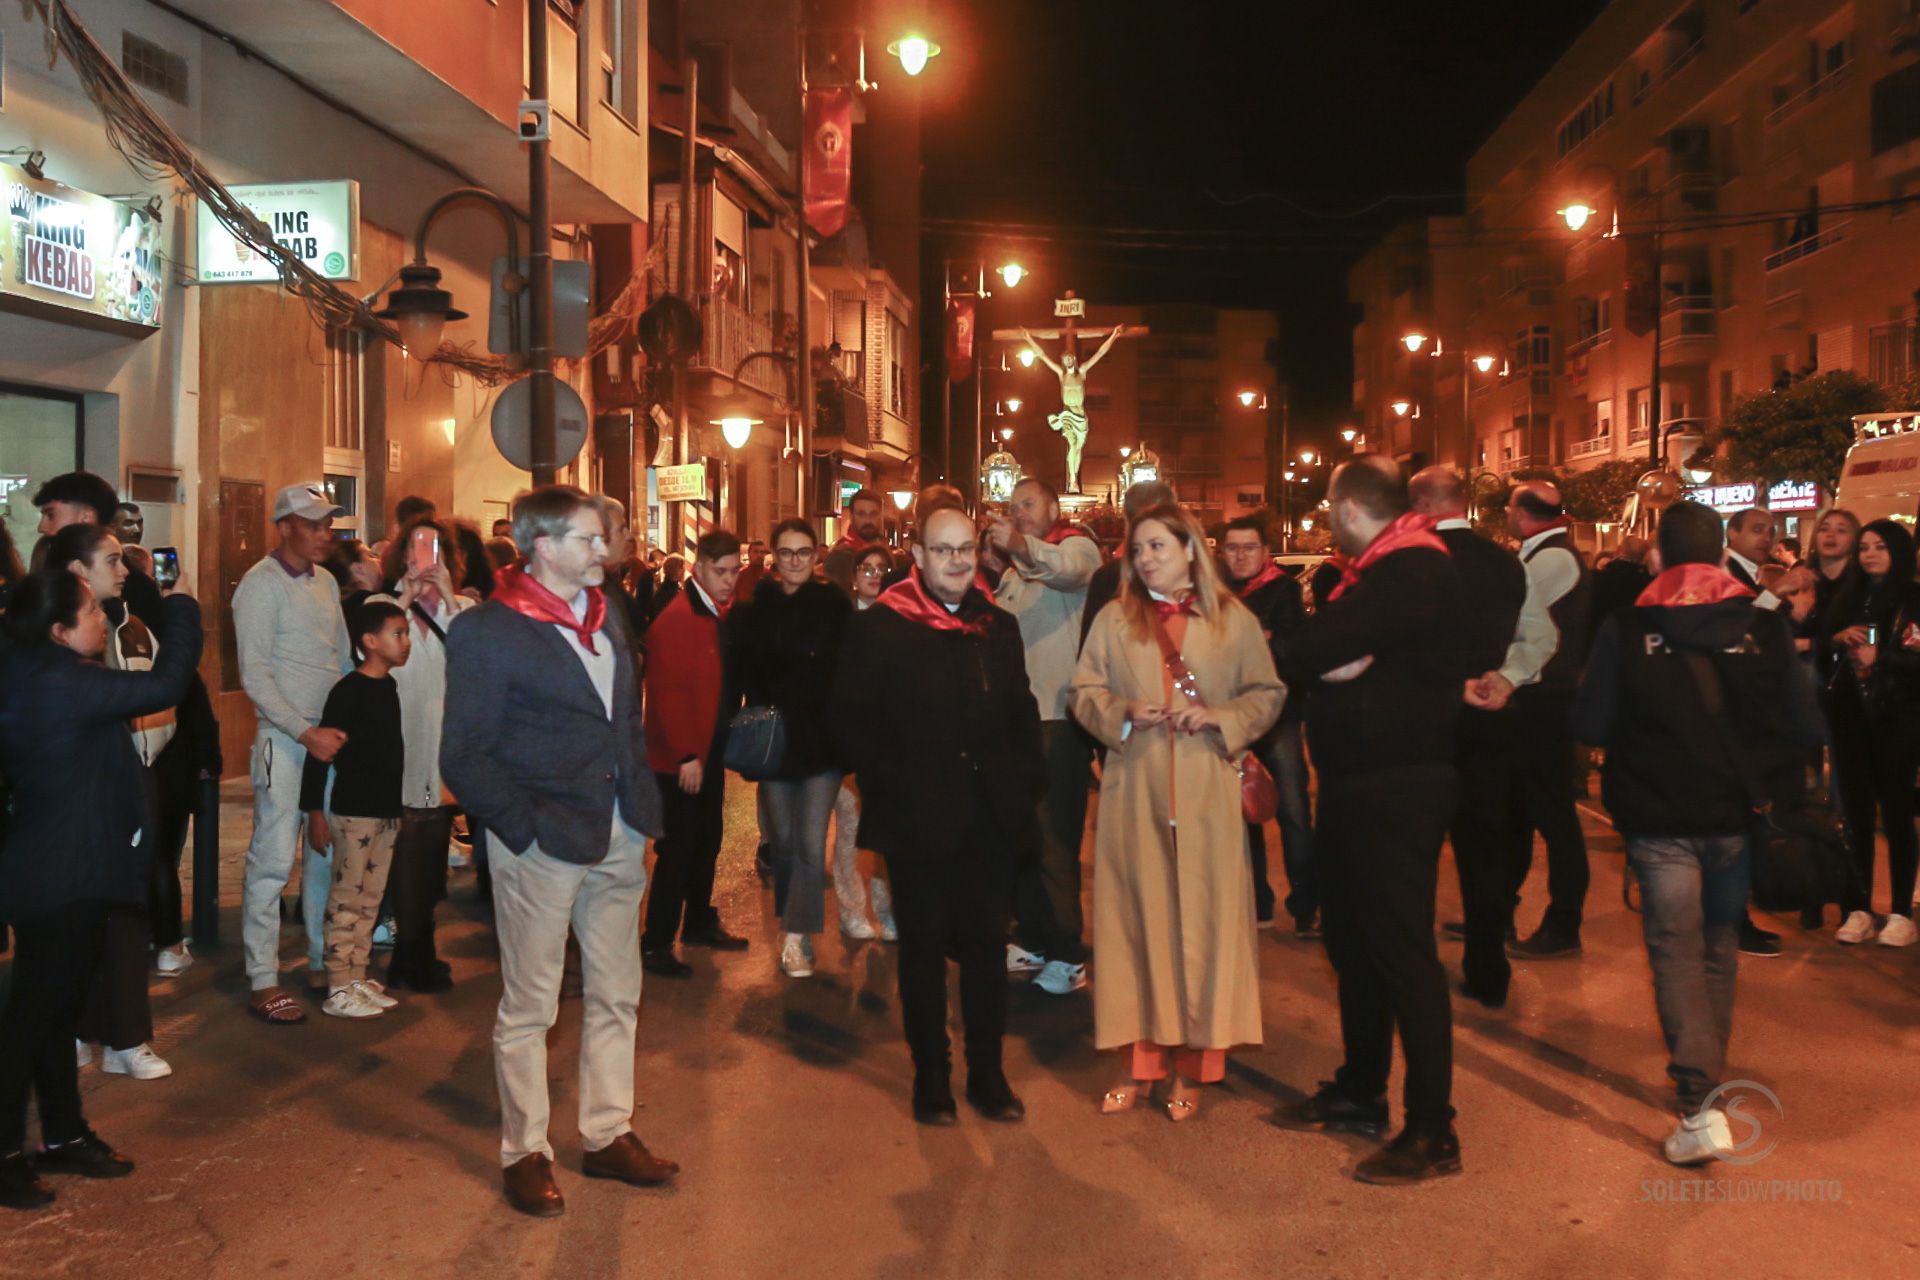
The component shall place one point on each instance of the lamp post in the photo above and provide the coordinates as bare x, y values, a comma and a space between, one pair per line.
1469, 362
1011, 273
1576, 214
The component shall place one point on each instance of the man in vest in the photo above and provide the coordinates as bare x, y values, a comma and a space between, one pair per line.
1703, 709
1539, 676
1049, 563
1492, 589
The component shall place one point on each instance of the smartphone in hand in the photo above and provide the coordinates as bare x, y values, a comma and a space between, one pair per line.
166, 566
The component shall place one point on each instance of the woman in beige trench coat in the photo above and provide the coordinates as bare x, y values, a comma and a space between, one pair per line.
1173, 917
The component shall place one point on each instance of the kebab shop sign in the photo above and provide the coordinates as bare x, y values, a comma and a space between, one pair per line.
318, 222
69, 251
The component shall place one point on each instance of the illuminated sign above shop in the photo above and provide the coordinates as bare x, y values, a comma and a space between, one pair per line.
319, 222
1788, 495
69, 254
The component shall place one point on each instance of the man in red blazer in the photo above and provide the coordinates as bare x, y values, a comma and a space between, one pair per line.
690, 698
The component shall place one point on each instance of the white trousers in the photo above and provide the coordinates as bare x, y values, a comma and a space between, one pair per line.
535, 898
279, 832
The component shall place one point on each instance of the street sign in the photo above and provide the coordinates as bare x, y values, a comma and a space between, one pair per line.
513, 424
687, 483
1064, 307
572, 287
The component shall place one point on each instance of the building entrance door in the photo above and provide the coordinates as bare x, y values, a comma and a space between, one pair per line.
40, 437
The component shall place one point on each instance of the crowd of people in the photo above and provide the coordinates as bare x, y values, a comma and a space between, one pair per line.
926, 726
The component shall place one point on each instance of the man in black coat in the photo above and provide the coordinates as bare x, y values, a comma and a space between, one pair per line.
1492, 588
1385, 650
1275, 599
932, 709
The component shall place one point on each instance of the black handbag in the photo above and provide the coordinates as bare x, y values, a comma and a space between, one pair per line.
1799, 850
757, 743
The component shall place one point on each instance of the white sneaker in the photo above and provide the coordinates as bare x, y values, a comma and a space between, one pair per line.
1857, 927
140, 1062
1898, 931
794, 960
458, 861
82, 1053
882, 898
1021, 960
1699, 1138
172, 961
1060, 978
347, 1002
857, 928
374, 994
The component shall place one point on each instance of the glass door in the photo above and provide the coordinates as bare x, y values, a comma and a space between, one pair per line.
40, 437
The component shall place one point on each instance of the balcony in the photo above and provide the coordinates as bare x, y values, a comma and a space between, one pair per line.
732, 334
1893, 352
1687, 329
1826, 84
1783, 266
1637, 434
1594, 447
1589, 343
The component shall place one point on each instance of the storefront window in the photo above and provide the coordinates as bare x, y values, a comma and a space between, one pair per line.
39, 439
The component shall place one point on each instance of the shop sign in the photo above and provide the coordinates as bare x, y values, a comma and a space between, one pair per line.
318, 222
75, 255
1788, 495
687, 483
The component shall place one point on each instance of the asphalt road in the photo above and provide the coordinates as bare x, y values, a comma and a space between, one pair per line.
340, 1149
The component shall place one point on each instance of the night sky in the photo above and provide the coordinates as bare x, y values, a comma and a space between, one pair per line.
1235, 152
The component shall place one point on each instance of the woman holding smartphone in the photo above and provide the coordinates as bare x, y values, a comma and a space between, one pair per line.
423, 563
1873, 628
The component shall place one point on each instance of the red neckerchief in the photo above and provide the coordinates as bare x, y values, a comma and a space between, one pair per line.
1259, 580
851, 541
1165, 609
1686, 584
1062, 530
908, 598
521, 592
1410, 530
1558, 522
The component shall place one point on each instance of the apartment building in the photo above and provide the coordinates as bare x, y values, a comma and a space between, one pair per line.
1747, 170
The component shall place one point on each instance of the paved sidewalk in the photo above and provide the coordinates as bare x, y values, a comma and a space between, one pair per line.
337, 1149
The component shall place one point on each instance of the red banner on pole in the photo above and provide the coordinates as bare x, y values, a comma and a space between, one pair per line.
959, 339
829, 158
1642, 286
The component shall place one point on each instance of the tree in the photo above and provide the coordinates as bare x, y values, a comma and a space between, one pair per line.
1599, 492
1801, 433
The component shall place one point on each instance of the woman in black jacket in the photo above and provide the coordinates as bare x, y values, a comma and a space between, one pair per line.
787, 642
1873, 627
82, 826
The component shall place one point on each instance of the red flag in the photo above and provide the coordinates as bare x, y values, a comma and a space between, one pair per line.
959, 339
829, 158
1641, 286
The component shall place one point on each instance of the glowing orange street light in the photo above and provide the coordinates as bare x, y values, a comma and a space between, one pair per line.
1415, 341
1013, 273
1026, 358
1576, 214
914, 52
1248, 397
1483, 363
1400, 408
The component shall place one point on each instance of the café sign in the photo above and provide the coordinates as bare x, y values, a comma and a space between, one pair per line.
318, 222
1788, 495
72, 255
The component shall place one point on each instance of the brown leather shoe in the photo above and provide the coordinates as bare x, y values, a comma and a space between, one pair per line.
530, 1187
628, 1159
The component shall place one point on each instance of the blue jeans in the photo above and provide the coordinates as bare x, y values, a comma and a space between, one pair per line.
797, 810
1286, 759
1693, 897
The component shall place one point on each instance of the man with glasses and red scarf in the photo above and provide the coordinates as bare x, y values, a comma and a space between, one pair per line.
543, 747
932, 709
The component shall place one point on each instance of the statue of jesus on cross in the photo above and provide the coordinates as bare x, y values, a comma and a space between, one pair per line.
1071, 421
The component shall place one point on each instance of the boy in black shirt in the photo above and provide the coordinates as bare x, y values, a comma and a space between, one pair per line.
362, 817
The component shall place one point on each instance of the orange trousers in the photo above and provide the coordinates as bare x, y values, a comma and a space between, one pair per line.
1148, 1061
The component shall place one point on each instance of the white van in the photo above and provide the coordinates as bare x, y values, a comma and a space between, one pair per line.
1881, 478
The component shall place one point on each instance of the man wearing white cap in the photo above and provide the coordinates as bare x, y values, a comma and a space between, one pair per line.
293, 648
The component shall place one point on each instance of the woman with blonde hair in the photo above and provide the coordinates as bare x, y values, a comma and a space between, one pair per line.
1177, 681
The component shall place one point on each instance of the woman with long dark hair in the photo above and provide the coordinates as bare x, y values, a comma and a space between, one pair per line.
1873, 629
787, 643
82, 820
1177, 681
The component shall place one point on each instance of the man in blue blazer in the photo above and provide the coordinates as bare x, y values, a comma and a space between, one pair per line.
543, 747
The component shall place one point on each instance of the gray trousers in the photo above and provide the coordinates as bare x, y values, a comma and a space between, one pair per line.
535, 899
797, 812
279, 831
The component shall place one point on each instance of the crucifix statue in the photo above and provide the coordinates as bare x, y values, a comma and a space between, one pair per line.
1071, 421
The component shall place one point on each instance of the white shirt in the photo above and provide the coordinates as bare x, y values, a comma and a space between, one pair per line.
712, 608
599, 665
1550, 575
1453, 522
1045, 589
422, 685
1763, 598
292, 642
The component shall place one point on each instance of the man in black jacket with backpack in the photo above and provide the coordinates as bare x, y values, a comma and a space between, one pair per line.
1703, 709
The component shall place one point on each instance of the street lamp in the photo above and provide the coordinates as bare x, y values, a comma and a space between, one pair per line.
1400, 407
1025, 357
1006, 433
1483, 363
1306, 457
1347, 434
902, 499
1013, 404
914, 52
1576, 215
1126, 451
1415, 341
1247, 398
1013, 273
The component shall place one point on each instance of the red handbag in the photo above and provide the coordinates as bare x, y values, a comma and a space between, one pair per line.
1259, 797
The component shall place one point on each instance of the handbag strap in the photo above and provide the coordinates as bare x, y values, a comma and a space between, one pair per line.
1183, 677
428, 618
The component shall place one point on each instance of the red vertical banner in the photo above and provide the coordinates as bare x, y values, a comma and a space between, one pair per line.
1642, 286
829, 158
959, 339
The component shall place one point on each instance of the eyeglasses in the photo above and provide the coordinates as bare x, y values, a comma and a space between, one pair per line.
591, 539
794, 553
961, 552
873, 571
